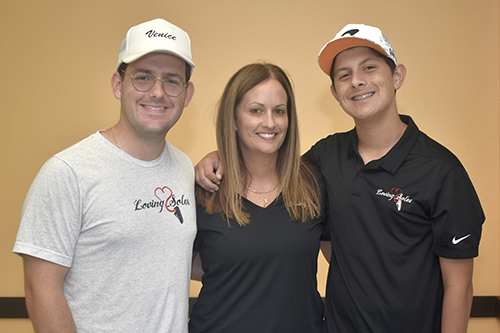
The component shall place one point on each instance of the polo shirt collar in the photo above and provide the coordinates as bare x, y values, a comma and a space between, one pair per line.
396, 156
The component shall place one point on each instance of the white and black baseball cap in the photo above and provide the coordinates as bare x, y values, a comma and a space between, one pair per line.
156, 35
354, 35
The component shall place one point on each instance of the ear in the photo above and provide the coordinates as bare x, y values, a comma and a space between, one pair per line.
116, 85
189, 93
334, 92
399, 76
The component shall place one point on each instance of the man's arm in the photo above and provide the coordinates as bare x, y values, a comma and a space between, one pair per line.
47, 306
209, 172
458, 293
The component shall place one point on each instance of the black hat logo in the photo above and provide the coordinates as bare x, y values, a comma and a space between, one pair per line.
351, 32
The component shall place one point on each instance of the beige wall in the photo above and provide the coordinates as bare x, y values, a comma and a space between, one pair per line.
58, 57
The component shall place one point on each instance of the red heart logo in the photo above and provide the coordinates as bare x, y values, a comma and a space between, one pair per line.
161, 195
396, 192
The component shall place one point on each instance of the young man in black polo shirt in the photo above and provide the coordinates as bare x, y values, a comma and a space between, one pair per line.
405, 220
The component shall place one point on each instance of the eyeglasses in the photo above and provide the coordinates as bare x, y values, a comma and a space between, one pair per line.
142, 81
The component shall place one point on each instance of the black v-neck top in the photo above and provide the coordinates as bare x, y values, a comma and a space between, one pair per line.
260, 277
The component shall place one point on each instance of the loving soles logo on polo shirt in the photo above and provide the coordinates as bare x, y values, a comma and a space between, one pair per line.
166, 200
396, 195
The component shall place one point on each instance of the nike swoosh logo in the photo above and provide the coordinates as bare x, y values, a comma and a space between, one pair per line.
455, 241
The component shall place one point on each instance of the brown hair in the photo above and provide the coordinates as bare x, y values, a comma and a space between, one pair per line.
299, 186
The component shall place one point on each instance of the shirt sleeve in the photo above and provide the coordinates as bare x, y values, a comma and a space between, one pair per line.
310, 156
457, 217
50, 219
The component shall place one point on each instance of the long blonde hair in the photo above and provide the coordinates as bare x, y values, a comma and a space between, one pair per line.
299, 186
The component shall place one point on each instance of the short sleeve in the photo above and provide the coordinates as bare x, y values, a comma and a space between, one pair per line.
310, 156
50, 219
457, 217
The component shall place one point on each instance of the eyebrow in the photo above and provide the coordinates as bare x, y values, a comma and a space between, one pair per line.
260, 104
151, 72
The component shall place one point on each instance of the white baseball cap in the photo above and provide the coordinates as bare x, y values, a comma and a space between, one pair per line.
354, 35
156, 35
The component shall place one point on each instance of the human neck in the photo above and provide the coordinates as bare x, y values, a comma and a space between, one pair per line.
262, 182
262, 170
145, 149
377, 137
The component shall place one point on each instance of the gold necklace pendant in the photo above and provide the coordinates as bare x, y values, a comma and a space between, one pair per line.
263, 192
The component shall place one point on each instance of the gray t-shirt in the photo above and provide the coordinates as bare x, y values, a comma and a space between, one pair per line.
123, 226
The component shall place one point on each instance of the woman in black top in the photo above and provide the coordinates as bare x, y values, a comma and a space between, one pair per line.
259, 235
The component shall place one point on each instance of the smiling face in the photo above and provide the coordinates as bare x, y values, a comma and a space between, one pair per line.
364, 85
152, 113
261, 119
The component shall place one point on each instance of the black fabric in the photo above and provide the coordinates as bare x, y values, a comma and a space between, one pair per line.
260, 277
389, 222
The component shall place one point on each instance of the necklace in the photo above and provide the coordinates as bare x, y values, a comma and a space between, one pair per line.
114, 138
263, 192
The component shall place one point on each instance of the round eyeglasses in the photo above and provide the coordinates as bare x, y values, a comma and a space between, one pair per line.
173, 86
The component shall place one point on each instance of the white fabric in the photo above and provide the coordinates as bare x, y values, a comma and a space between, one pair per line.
99, 211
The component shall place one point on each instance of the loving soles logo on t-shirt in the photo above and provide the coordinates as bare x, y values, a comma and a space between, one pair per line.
165, 200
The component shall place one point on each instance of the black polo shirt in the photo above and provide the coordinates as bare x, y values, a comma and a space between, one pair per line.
390, 220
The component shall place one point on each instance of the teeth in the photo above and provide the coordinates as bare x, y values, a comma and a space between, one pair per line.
154, 108
358, 98
265, 135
